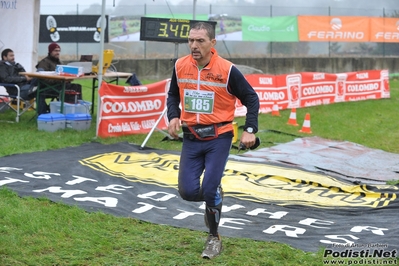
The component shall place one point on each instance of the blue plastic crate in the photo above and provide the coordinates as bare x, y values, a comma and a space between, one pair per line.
78, 121
51, 122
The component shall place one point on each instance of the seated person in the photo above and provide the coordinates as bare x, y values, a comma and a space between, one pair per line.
49, 63
9, 73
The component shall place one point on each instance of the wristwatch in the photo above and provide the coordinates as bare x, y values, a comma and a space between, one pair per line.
249, 130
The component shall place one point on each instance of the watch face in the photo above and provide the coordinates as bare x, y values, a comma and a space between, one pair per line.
250, 130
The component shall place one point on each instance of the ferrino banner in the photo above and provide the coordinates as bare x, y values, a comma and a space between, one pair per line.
348, 29
129, 110
384, 29
340, 29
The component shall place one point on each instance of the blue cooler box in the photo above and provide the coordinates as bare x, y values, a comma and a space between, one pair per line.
78, 121
51, 122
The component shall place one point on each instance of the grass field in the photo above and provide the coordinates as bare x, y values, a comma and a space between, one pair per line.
40, 232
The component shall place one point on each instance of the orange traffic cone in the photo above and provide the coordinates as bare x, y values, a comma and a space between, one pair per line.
275, 110
306, 125
292, 119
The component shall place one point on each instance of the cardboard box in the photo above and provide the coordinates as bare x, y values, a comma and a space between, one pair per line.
51, 122
65, 70
78, 121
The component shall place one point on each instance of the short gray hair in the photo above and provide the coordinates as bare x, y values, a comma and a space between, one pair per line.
205, 26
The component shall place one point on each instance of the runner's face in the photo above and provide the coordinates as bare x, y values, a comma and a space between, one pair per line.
200, 46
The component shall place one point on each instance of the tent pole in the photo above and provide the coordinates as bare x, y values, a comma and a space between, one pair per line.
100, 64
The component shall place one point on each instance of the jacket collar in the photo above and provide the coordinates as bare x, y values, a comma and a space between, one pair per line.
213, 58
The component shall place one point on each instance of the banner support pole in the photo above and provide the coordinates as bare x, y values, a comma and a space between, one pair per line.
162, 114
153, 128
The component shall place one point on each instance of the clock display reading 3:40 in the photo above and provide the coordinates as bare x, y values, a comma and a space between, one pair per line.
167, 29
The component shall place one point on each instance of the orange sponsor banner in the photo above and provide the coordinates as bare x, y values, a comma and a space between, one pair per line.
384, 29
333, 28
126, 110
316, 88
366, 85
268, 91
305, 89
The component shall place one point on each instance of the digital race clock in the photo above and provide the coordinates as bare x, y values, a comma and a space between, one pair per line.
167, 29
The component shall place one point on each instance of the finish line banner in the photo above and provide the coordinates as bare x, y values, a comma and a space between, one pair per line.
126, 110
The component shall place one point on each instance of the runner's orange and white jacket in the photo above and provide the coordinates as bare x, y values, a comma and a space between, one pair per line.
222, 80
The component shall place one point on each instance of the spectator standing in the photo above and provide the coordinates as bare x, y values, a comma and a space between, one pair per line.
222, 27
124, 28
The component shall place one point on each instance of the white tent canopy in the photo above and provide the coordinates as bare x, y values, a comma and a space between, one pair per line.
19, 30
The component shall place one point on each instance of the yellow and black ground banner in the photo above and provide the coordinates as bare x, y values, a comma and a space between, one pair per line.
262, 201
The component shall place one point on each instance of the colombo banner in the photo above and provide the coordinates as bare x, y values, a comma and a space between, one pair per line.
126, 110
306, 89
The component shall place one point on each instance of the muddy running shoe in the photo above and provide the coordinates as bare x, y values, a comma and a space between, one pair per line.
205, 217
213, 247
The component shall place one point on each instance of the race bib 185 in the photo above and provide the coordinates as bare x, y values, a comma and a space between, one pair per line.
199, 101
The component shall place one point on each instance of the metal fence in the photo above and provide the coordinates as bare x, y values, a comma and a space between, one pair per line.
135, 49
